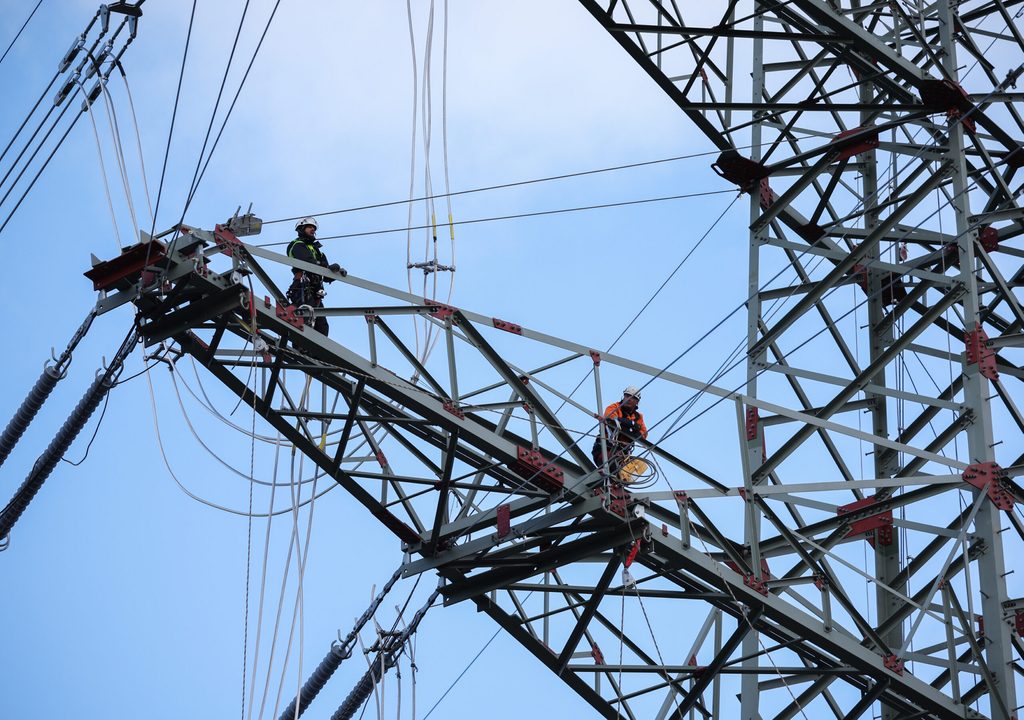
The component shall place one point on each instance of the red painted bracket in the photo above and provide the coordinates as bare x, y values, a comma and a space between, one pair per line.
596, 357
507, 326
504, 520
979, 353
532, 466
618, 498
453, 409
751, 423
123, 268
989, 477
989, 239
765, 571
442, 311
226, 240
877, 527
383, 461
595, 652
868, 142
287, 313
682, 498
756, 585
766, 196
891, 662
893, 291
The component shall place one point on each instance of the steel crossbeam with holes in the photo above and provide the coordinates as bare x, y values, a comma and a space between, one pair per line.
482, 470
880, 146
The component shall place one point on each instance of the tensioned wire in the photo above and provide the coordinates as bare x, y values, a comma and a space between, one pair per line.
21, 30
783, 268
517, 183
559, 211
671, 428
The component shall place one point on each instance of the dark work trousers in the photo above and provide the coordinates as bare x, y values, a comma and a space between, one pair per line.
306, 292
617, 454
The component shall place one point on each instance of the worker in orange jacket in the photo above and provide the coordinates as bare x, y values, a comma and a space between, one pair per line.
622, 423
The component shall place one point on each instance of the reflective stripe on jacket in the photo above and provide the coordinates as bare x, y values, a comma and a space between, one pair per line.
614, 412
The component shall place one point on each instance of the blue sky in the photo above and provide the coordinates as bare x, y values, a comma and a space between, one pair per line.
124, 596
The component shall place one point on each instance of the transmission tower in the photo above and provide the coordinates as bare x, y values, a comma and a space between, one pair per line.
877, 145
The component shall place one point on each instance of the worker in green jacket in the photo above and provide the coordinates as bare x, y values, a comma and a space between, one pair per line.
307, 287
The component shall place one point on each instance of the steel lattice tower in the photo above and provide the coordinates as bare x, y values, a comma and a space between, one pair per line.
879, 145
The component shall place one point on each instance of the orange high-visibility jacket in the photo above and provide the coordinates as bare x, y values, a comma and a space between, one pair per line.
614, 412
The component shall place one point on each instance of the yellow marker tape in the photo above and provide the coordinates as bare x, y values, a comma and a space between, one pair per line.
433, 222
451, 227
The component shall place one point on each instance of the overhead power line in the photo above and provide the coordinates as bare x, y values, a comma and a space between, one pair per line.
500, 186
21, 30
539, 213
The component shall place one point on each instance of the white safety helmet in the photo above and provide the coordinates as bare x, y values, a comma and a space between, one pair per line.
632, 390
307, 221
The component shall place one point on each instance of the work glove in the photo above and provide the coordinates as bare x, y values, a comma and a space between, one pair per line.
336, 268
629, 427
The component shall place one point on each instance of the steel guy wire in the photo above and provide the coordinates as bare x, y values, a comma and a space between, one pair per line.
28, 117
231, 107
216, 104
68, 99
20, 30
518, 183
515, 216
174, 116
651, 299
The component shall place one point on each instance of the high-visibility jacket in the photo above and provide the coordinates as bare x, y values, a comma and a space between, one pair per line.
615, 414
307, 250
